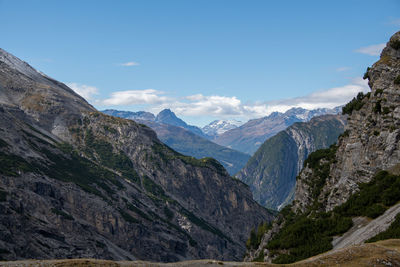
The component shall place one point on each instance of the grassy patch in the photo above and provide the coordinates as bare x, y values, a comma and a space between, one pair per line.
167, 154
12, 165
127, 217
62, 214
115, 160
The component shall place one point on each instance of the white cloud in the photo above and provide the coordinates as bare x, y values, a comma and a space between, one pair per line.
342, 69
372, 50
135, 97
86, 91
329, 98
130, 64
230, 106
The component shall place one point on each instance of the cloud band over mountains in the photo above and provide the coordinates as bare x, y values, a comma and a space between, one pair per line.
223, 106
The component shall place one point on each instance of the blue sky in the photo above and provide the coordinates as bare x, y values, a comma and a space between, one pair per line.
203, 59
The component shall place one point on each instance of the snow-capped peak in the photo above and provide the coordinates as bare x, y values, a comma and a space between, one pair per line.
218, 127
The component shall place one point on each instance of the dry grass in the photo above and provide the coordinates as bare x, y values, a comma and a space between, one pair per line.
382, 253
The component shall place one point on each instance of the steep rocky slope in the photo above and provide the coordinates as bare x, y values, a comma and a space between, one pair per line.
356, 181
186, 142
77, 183
251, 135
271, 172
372, 135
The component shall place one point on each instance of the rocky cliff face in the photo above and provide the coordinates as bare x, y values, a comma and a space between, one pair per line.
271, 172
371, 142
77, 183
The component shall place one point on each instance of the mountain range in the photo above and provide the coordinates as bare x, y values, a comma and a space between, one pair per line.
184, 138
248, 137
76, 183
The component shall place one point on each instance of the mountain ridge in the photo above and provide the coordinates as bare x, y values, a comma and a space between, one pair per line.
250, 136
189, 143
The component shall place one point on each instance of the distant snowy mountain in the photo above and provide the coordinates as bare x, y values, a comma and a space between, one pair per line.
218, 127
186, 139
248, 137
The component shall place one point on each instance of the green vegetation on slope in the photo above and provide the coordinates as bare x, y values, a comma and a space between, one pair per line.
355, 104
392, 232
256, 236
310, 233
167, 154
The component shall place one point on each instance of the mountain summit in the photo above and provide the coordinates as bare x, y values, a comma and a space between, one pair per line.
166, 116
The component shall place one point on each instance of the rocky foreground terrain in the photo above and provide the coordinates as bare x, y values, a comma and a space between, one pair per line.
76, 183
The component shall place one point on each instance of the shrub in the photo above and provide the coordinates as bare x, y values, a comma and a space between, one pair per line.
366, 73
386, 110
3, 195
168, 213
377, 108
397, 80
255, 237
395, 44
378, 91
355, 104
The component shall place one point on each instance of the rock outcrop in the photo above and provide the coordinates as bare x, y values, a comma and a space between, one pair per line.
371, 142
76, 183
